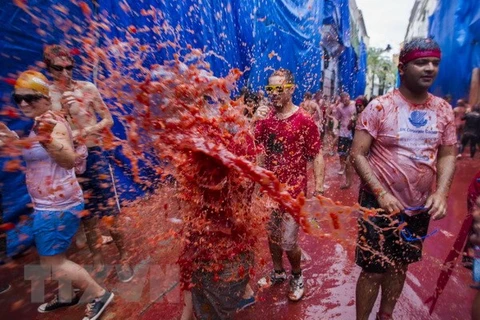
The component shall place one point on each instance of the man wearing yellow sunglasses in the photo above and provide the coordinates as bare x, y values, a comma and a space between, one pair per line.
290, 139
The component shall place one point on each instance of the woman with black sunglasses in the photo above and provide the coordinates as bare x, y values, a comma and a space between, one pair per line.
56, 195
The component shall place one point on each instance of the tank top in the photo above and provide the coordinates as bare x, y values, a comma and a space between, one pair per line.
50, 186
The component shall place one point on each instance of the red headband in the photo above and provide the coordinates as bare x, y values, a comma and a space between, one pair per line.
418, 53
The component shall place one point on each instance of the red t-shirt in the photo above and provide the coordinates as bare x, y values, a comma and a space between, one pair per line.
289, 144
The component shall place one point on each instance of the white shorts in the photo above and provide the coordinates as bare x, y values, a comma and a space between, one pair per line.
283, 230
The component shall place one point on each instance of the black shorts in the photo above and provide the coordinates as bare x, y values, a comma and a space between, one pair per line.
344, 146
382, 245
98, 185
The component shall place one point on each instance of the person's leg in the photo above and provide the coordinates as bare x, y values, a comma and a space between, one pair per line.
348, 174
295, 258
248, 292
476, 307
275, 240
348, 165
392, 286
67, 272
118, 238
463, 143
473, 146
366, 293
94, 242
187, 312
276, 253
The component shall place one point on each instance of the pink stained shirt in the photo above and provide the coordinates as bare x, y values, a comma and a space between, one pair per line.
345, 115
50, 186
289, 144
403, 154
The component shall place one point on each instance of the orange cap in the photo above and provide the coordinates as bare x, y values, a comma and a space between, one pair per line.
33, 80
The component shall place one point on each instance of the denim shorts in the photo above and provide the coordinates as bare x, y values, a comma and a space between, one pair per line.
53, 231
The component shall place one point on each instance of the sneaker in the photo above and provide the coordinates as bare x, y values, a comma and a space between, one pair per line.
125, 273
341, 172
97, 306
297, 289
459, 156
245, 303
273, 278
55, 304
4, 288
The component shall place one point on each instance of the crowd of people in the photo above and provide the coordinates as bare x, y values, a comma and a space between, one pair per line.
403, 146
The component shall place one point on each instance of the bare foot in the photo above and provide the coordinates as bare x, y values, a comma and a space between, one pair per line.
345, 186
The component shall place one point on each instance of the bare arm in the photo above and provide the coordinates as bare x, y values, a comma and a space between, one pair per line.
60, 147
101, 110
437, 202
360, 148
319, 171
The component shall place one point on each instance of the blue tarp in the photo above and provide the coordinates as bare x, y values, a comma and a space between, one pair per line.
455, 25
255, 36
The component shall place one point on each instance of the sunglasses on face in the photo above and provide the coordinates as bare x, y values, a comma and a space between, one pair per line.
60, 68
28, 98
278, 88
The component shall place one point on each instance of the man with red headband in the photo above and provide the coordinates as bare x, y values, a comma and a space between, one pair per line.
404, 141
82, 105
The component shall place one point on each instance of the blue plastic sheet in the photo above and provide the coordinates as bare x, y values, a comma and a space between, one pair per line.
460, 45
255, 36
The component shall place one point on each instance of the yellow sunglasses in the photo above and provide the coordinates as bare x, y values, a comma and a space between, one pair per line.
278, 88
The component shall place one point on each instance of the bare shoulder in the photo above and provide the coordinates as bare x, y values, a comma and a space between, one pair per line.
86, 86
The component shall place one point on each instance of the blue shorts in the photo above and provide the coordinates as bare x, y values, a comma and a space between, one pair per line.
53, 230
97, 185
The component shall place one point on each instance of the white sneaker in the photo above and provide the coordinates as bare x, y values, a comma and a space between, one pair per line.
341, 172
297, 289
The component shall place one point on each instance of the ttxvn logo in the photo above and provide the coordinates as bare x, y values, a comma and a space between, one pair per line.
417, 118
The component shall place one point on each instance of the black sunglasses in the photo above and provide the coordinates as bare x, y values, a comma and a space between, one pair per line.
28, 98
60, 68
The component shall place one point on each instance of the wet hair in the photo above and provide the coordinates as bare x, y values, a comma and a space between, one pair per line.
461, 103
421, 44
308, 95
344, 94
284, 73
54, 51
362, 100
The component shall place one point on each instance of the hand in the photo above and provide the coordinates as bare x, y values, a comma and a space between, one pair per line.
68, 100
437, 203
45, 124
262, 112
390, 204
6, 134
